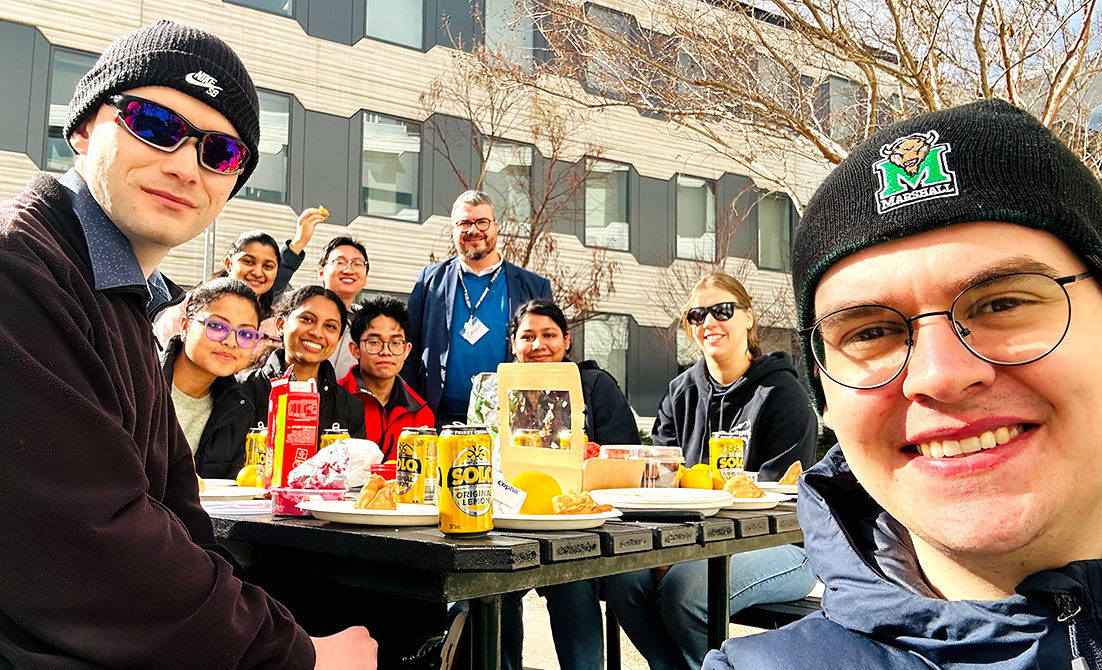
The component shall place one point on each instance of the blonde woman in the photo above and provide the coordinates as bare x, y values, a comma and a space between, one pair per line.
733, 387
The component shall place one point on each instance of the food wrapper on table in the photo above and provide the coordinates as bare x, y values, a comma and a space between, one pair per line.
344, 465
293, 410
543, 429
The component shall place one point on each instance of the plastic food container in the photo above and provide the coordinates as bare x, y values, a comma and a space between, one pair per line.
387, 471
622, 451
661, 466
285, 500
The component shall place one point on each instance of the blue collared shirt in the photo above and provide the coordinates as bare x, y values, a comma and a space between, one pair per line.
114, 264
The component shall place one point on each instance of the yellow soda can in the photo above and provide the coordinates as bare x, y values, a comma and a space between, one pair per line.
331, 436
726, 454
256, 443
467, 480
413, 464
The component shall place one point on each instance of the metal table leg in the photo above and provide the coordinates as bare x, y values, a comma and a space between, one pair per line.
485, 629
719, 600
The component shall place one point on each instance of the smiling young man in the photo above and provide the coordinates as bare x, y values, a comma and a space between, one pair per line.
380, 347
109, 559
459, 310
951, 308
343, 270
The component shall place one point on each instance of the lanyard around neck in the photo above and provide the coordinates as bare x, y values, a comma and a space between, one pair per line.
485, 291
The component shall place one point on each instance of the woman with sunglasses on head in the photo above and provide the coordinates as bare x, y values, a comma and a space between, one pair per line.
310, 322
217, 338
733, 387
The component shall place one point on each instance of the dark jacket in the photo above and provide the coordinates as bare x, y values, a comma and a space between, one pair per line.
608, 416
336, 404
383, 425
108, 558
878, 611
767, 405
431, 306
221, 450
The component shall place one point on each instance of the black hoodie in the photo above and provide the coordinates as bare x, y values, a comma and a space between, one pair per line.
767, 406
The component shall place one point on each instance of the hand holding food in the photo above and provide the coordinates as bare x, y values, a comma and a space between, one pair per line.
304, 227
377, 493
792, 474
741, 487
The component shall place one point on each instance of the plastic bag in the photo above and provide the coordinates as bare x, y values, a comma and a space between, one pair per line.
344, 465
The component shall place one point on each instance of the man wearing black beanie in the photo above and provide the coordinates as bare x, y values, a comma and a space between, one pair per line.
108, 559
947, 281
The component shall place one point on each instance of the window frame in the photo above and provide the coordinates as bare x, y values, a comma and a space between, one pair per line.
55, 49
498, 210
788, 215
715, 218
290, 150
589, 162
586, 339
361, 209
367, 34
245, 3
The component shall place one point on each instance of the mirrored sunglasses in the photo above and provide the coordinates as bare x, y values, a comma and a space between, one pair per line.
721, 311
164, 129
247, 338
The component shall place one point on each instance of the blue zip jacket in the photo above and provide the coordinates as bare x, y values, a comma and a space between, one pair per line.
878, 611
430, 321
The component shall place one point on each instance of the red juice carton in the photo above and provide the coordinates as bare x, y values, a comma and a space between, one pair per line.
293, 410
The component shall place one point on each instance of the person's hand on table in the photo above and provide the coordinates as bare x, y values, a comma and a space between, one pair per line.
304, 227
351, 649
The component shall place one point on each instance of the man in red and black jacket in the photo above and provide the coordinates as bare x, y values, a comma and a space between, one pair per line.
379, 344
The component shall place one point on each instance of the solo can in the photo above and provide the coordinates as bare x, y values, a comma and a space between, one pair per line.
726, 454
464, 453
416, 446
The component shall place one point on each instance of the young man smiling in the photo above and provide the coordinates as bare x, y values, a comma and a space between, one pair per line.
951, 309
343, 270
109, 559
380, 347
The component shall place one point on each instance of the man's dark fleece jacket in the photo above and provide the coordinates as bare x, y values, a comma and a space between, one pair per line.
108, 559
767, 406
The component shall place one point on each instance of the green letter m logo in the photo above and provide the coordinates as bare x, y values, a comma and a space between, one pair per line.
913, 168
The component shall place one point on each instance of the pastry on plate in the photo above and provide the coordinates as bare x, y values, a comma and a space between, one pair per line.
377, 493
741, 487
792, 474
577, 503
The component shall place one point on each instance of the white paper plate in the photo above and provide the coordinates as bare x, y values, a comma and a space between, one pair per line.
774, 487
768, 501
231, 493
238, 507
552, 521
220, 482
705, 501
344, 511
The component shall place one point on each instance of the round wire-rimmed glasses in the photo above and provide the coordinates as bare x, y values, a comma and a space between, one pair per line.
1009, 320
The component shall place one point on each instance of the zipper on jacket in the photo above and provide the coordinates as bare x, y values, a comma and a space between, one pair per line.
1083, 638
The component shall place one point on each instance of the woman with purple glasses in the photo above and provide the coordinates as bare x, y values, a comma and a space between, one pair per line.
733, 387
218, 335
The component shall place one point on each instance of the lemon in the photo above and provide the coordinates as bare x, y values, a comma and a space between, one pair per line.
247, 476
541, 488
718, 483
697, 477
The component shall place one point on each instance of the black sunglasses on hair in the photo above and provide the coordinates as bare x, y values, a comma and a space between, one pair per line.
164, 129
721, 311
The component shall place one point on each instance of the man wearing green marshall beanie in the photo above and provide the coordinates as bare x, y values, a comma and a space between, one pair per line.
947, 280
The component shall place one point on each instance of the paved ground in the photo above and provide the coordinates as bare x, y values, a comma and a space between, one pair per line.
539, 649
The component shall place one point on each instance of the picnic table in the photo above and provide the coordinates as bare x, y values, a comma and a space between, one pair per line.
420, 562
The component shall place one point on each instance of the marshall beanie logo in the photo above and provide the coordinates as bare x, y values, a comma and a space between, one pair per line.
913, 169
204, 80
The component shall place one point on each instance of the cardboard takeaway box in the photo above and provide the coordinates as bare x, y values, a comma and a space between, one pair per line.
554, 391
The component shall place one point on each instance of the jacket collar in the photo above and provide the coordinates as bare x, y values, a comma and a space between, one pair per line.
400, 396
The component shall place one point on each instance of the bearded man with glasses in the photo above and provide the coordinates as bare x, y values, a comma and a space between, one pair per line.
110, 561
951, 314
459, 310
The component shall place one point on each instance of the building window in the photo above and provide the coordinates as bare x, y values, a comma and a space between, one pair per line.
774, 233
508, 181
605, 338
391, 178
283, 7
696, 219
509, 30
687, 351
606, 205
269, 181
66, 69
400, 22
